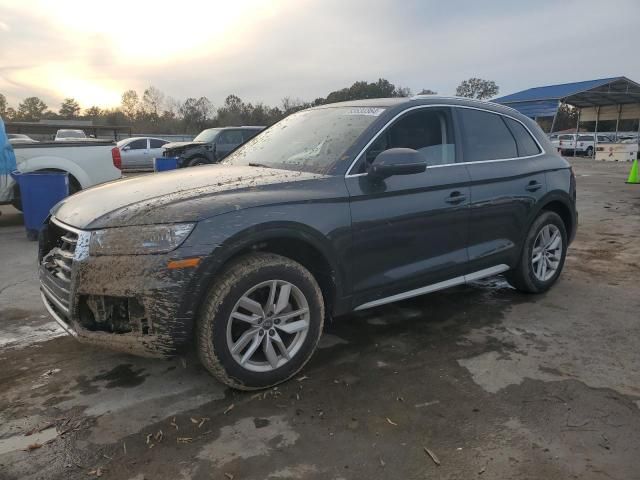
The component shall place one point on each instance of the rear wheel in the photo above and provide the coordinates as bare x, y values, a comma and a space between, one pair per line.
261, 322
543, 255
589, 152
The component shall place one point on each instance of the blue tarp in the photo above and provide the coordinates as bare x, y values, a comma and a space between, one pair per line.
544, 101
7, 165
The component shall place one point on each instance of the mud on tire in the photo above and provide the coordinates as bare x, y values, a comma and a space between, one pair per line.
215, 326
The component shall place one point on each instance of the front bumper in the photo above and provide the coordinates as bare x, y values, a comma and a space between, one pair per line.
130, 303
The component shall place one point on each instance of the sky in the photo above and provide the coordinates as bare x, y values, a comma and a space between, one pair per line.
265, 50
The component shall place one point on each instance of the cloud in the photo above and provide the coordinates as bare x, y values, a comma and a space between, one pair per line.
264, 51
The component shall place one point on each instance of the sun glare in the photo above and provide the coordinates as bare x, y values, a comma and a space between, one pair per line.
132, 35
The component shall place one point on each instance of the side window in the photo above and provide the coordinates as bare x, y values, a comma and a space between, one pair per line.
155, 143
603, 139
230, 137
485, 136
526, 144
585, 138
140, 144
249, 134
428, 131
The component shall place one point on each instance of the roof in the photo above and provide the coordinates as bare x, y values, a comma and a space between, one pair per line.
554, 92
599, 92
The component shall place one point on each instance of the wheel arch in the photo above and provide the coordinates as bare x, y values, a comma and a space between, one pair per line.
559, 203
297, 242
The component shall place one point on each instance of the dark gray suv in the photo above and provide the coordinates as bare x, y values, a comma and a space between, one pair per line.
337, 208
210, 145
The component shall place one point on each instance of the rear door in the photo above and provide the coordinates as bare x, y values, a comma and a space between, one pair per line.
409, 231
506, 167
135, 154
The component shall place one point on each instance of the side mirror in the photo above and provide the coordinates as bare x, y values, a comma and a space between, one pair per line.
397, 161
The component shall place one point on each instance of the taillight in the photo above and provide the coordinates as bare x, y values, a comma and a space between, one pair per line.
117, 159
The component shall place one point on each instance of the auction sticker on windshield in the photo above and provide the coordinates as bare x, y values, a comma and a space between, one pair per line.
372, 111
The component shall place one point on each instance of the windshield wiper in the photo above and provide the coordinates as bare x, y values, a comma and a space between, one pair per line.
251, 164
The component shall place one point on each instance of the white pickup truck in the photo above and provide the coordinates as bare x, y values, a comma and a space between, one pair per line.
87, 164
586, 142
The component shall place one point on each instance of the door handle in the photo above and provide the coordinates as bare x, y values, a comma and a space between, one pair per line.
533, 186
455, 198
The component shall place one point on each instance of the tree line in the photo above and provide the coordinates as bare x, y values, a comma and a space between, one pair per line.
155, 112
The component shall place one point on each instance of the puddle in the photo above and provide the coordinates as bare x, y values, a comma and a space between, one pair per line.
21, 442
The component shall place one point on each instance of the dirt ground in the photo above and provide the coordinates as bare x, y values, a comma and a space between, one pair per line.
474, 382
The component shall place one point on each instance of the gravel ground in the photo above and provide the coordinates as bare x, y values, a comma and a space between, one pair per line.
473, 382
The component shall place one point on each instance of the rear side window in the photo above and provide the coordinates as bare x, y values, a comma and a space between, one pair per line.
155, 143
140, 144
566, 137
527, 146
486, 136
585, 138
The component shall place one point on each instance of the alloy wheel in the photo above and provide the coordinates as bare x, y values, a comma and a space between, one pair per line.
547, 252
268, 325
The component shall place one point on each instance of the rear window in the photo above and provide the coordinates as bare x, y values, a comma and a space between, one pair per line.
527, 146
486, 136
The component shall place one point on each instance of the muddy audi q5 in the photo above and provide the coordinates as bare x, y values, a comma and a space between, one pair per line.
334, 209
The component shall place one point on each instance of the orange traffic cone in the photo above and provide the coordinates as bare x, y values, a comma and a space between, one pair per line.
633, 174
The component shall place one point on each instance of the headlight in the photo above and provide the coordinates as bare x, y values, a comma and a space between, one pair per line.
139, 240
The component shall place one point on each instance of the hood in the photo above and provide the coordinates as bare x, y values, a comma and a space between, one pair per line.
184, 195
172, 145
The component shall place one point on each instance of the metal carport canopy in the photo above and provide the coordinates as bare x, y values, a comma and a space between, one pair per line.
612, 93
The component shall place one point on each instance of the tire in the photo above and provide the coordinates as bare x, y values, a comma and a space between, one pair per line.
218, 333
195, 161
589, 152
526, 276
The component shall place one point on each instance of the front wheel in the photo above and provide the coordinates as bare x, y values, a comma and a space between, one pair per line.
589, 152
543, 255
261, 322
194, 162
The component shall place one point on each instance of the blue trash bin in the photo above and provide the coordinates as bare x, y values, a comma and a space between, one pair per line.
162, 164
39, 192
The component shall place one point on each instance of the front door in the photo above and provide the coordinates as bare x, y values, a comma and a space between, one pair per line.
226, 141
410, 231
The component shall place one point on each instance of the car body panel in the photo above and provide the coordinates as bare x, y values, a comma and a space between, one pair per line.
181, 196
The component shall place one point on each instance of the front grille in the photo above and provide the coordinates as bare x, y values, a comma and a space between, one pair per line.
58, 245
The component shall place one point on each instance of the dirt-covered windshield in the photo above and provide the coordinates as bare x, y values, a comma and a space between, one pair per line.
207, 136
309, 141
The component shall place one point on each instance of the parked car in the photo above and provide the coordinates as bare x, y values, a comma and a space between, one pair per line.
566, 143
210, 146
20, 138
65, 135
87, 164
333, 209
137, 153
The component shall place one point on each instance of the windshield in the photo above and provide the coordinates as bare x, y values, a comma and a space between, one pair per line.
308, 141
207, 136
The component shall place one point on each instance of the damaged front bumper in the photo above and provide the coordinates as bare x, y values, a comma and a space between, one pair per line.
129, 303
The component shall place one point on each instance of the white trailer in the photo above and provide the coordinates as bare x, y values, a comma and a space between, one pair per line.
617, 152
